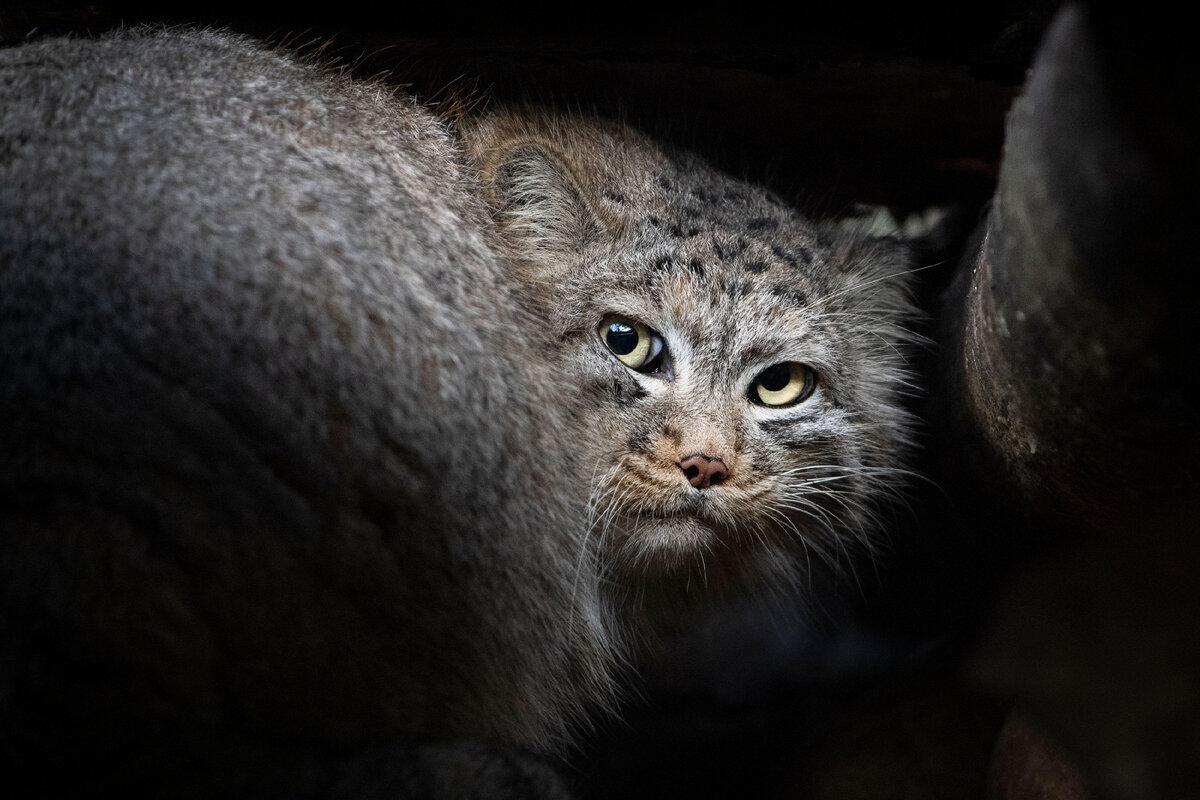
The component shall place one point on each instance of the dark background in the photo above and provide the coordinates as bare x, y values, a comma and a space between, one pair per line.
898, 104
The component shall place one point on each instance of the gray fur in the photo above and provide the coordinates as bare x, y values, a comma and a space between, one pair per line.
596, 219
302, 435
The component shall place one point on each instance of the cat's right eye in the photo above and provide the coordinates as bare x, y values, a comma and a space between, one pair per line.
635, 345
784, 384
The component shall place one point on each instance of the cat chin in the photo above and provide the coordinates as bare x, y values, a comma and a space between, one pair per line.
683, 546
674, 570
674, 541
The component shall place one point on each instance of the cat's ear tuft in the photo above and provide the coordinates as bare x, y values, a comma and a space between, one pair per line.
542, 211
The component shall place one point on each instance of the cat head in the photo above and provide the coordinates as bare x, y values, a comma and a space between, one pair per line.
737, 370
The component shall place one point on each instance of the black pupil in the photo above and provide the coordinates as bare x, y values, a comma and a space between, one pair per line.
621, 338
775, 378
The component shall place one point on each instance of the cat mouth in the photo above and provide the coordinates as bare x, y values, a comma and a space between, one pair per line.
687, 547
672, 528
681, 533
689, 511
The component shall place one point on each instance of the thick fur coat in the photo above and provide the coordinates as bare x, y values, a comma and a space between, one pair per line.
313, 438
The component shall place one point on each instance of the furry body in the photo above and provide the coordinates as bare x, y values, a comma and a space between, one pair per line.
308, 432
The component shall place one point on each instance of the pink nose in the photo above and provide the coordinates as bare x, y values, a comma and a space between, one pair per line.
703, 471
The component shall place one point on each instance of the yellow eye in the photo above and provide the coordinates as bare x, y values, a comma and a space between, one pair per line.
783, 384
633, 343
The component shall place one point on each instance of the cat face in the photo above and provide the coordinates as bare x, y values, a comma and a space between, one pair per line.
736, 370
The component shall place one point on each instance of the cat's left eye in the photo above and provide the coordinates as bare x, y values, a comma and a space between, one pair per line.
635, 345
784, 384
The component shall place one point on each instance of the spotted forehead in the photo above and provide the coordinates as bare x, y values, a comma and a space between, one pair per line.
734, 268
714, 223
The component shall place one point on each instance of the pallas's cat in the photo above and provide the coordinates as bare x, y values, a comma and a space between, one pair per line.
325, 421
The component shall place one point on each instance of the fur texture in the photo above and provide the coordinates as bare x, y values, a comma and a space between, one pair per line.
311, 431
596, 220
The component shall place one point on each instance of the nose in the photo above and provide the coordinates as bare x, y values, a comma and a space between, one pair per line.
703, 471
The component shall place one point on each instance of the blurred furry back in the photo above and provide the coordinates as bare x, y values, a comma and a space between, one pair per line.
268, 463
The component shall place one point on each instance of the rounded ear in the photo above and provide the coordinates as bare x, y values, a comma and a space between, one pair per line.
880, 268
541, 209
